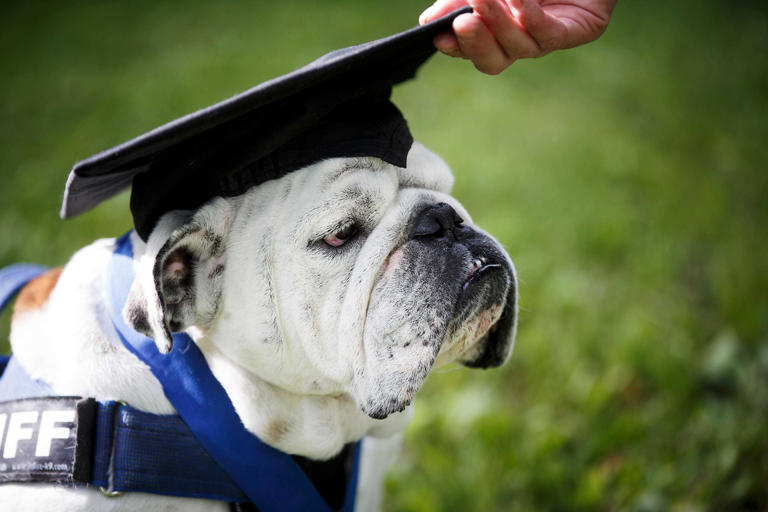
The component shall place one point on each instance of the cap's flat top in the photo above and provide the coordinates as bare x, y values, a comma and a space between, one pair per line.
385, 61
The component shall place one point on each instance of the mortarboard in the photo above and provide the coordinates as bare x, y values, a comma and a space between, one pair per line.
336, 106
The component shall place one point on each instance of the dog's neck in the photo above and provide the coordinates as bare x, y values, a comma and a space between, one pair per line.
81, 355
314, 426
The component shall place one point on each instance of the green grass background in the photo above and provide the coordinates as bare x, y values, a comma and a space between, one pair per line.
628, 180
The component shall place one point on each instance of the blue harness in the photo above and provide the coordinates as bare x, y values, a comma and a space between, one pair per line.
204, 452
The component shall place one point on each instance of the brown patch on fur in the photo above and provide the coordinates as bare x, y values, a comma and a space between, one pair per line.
36, 292
277, 429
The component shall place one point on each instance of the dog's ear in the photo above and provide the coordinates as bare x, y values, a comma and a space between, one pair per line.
179, 285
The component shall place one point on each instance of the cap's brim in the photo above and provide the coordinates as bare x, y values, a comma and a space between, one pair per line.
105, 174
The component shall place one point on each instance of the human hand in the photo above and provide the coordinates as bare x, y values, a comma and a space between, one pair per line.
499, 32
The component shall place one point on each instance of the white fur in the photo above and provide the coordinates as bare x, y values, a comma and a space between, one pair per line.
283, 327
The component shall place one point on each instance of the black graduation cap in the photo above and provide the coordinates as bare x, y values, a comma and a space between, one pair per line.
335, 106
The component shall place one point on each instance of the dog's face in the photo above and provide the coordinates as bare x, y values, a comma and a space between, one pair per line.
351, 276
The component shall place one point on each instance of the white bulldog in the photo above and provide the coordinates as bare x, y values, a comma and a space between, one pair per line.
320, 300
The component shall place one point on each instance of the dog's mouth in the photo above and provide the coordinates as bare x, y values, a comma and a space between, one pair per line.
484, 316
479, 266
486, 281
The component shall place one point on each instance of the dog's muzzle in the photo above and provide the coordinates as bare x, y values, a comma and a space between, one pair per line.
486, 277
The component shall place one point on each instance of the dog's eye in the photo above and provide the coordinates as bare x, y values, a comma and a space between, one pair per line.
341, 237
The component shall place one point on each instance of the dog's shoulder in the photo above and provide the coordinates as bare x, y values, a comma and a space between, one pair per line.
59, 291
61, 326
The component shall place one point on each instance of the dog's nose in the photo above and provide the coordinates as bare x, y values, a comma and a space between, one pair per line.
436, 221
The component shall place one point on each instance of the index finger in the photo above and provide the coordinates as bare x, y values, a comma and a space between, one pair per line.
516, 42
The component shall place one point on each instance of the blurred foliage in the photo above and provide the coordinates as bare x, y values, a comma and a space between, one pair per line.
627, 178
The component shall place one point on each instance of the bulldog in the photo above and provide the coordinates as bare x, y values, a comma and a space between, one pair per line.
321, 301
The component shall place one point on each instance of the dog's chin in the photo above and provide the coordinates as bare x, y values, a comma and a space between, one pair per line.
495, 346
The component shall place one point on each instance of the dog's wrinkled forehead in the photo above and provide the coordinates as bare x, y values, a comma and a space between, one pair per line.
341, 188
424, 170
